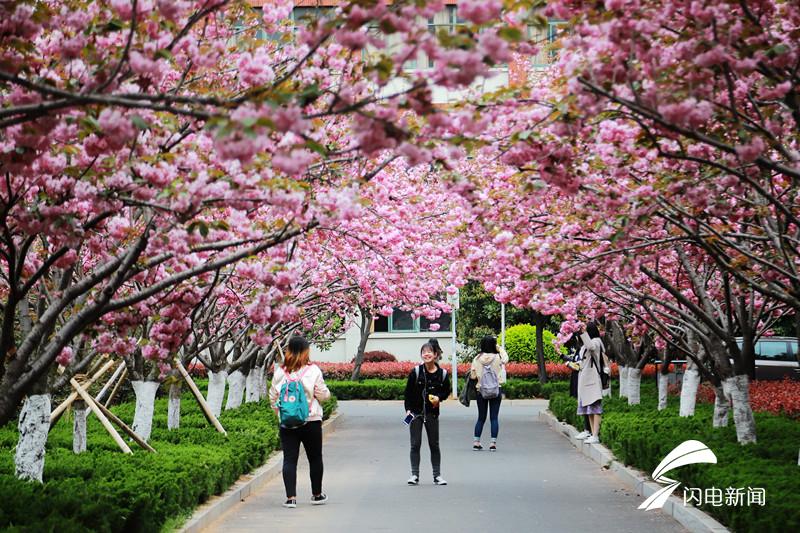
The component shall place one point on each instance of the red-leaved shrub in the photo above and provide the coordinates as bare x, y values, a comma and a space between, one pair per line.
776, 397
378, 356
400, 370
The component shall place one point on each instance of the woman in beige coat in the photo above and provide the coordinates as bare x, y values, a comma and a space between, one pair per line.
590, 388
487, 370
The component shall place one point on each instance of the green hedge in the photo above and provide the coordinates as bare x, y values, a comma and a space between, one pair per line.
105, 490
393, 389
641, 436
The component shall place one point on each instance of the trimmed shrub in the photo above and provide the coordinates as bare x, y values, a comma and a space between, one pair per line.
641, 436
521, 345
393, 389
400, 370
378, 356
776, 397
106, 490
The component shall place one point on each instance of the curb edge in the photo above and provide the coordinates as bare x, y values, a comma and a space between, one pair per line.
691, 518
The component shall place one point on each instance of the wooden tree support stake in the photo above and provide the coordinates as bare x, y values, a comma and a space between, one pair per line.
116, 387
100, 416
102, 394
56, 414
122, 425
200, 400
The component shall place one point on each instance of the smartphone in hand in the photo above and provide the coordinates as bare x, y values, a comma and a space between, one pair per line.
407, 420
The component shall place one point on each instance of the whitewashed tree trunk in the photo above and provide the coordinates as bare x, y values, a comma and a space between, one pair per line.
145, 392
216, 391
663, 385
235, 389
174, 406
691, 380
623, 381
34, 423
634, 386
263, 383
251, 393
79, 426
737, 389
721, 408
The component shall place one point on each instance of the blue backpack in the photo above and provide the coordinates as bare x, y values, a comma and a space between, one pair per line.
292, 402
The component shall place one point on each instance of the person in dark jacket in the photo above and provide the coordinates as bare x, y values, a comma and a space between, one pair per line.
427, 385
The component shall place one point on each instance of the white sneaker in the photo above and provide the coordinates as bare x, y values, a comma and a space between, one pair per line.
592, 440
439, 480
582, 435
413, 480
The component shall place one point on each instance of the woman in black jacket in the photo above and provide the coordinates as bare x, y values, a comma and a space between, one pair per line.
428, 384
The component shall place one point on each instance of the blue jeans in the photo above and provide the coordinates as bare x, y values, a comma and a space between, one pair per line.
493, 406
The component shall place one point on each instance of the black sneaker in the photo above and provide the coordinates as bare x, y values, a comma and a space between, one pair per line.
319, 500
493, 447
291, 503
477, 447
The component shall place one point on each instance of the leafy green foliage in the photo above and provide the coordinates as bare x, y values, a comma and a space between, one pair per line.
641, 436
479, 315
521, 344
105, 490
393, 389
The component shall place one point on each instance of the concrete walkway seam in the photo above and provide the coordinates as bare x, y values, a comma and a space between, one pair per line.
246, 485
689, 517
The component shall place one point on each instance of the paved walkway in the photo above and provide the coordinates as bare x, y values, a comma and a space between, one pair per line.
537, 481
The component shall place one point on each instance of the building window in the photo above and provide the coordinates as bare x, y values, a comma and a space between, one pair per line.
546, 38
402, 322
447, 21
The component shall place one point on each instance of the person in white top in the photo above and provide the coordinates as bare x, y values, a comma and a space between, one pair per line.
296, 366
590, 389
492, 358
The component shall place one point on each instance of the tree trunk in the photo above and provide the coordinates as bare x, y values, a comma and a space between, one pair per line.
263, 382
691, 380
145, 392
663, 382
34, 423
79, 415
540, 321
236, 381
737, 389
721, 408
623, 381
252, 383
366, 329
216, 391
634, 385
174, 406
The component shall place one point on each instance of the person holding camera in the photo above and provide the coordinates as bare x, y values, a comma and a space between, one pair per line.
590, 381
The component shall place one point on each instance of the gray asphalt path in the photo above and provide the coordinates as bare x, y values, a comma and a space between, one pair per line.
536, 481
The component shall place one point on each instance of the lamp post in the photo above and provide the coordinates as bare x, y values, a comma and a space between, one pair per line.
452, 299
503, 325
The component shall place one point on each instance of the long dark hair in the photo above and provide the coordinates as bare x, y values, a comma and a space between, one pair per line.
592, 330
436, 348
489, 344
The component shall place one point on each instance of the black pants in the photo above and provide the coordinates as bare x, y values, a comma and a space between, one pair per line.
311, 436
432, 429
